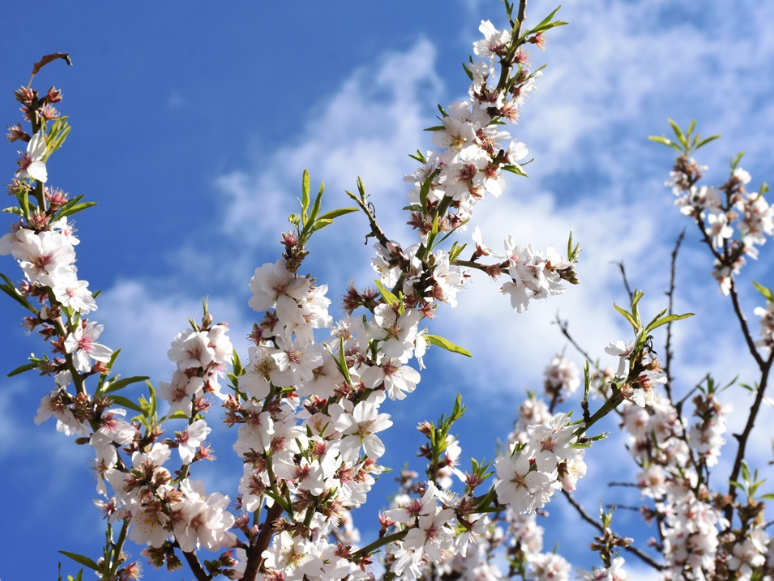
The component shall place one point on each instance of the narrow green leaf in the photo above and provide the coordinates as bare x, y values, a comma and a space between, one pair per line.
126, 402
691, 127
548, 26
704, 142
82, 560
389, 298
548, 18
516, 168
665, 141
336, 213
75, 209
467, 71
745, 472
178, 415
665, 320
236, 363
418, 156
678, 133
22, 368
448, 345
767, 294
9, 289
627, 315
122, 383
320, 224
305, 192
317, 204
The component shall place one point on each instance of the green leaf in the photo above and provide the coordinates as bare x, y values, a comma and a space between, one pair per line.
767, 294
21, 369
305, 192
548, 26
678, 133
425, 189
515, 168
390, 298
178, 415
448, 345
467, 71
704, 142
122, 383
745, 472
320, 224
336, 213
735, 160
236, 363
456, 250
418, 157
664, 320
75, 209
126, 402
545, 21
665, 141
24, 202
627, 315
82, 560
317, 204
9, 289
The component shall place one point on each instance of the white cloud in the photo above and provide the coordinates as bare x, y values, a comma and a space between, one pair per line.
367, 128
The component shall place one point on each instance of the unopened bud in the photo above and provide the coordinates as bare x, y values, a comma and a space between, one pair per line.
54, 95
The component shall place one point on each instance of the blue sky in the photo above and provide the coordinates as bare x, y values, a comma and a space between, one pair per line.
193, 123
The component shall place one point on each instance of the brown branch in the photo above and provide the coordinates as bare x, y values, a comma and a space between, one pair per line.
196, 566
587, 517
621, 267
732, 490
745, 329
671, 294
260, 544
563, 327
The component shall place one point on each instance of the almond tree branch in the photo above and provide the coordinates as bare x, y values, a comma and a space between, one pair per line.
732, 490
260, 544
196, 566
644, 557
671, 295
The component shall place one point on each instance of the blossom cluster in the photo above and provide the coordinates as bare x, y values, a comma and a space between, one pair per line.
719, 210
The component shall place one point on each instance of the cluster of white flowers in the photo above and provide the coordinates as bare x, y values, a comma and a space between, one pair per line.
450, 182
529, 473
718, 210
47, 258
562, 377
672, 461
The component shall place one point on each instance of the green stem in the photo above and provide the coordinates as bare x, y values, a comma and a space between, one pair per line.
368, 549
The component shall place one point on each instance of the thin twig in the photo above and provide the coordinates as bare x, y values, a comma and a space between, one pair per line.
625, 281
587, 517
563, 327
671, 294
